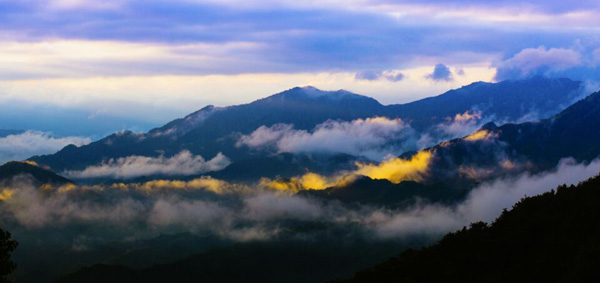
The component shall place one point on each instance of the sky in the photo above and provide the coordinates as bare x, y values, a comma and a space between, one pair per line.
91, 67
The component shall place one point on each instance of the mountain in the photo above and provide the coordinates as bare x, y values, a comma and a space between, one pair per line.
367, 191
458, 165
553, 237
39, 175
58, 260
262, 261
533, 146
216, 129
511, 100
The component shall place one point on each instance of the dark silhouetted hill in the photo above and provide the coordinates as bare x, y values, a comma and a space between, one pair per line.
12, 169
553, 237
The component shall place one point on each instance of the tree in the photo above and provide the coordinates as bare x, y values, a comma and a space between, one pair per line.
7, 246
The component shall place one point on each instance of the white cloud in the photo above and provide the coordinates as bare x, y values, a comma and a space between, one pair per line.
483, 203
372, 137
183, 163
30, 143
533, 61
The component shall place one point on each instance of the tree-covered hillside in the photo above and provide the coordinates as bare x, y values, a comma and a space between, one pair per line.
553, 237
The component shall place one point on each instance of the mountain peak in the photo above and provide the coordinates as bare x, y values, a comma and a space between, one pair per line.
40, 175
310, 93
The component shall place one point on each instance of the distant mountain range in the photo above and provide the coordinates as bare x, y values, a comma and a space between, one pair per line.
458, 165
559, 129
214, 129
534, 146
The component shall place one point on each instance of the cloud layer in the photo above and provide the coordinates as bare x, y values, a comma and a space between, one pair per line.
371, 137
27, 144
183, 163
249, 213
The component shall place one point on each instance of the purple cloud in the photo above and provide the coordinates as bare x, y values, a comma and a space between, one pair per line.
440, 73
393, 76
367, 76
538, 61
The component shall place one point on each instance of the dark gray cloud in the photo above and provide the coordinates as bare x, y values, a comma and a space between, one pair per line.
368, 75
441, 73
393, 76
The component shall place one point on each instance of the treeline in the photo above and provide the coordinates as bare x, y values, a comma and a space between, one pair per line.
7, 246
553, 237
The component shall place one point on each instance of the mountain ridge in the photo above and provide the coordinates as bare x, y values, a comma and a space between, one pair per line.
212, 129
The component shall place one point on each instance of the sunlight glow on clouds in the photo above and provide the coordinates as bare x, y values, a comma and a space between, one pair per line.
84, 58
169, 97
167, 58
397, 170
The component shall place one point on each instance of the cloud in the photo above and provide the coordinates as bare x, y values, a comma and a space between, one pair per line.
484, 203
132, 210
27, 144
487, 201
371, 137
397, 170
392, 76
183, 163
188, 213
368, 75
270, 206
596, 55
538, 61
479, 135
441, 73
460, 125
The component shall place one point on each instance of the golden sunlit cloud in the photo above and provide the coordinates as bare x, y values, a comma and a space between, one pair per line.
291, 185
203, 183
397, 170
30, 162
508, 165
308, 181
480, 135
6, 194
467, 116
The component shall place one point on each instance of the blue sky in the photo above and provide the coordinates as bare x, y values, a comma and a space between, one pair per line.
125, 64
